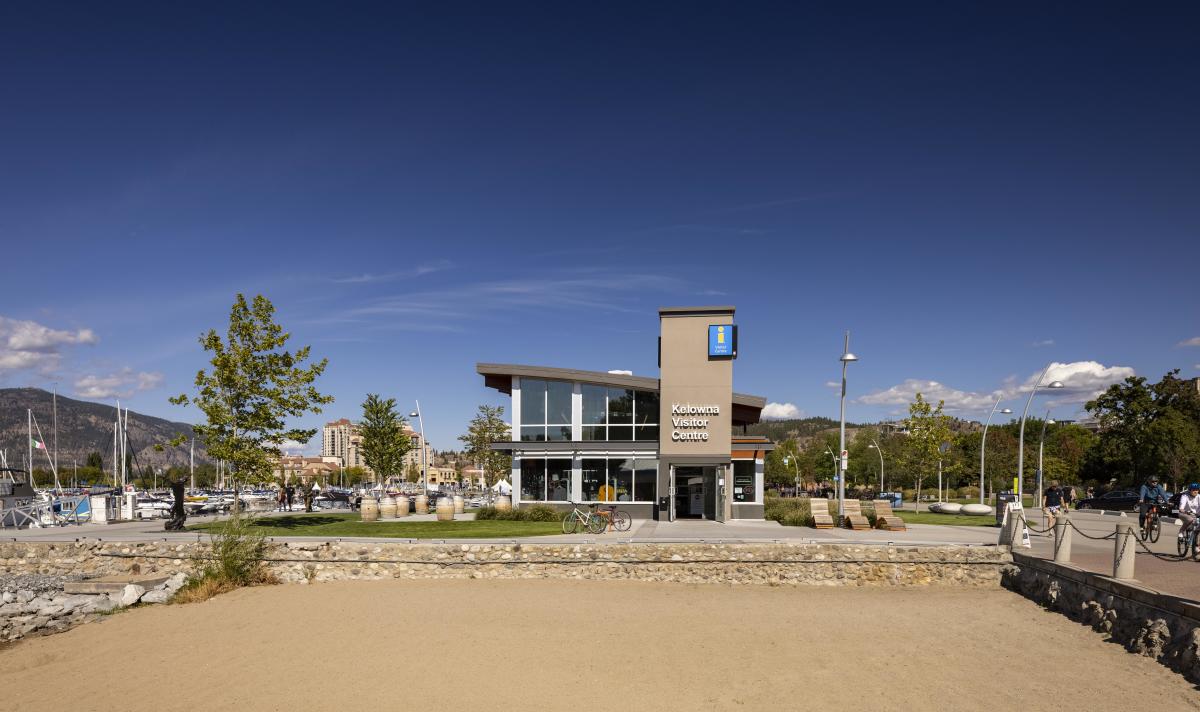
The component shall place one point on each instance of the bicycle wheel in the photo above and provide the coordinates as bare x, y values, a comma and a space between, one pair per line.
1195, 546
621, 521
597, 524
1155, 530
570, 523
1182, 544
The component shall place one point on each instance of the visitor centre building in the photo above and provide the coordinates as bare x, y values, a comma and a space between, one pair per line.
672, 447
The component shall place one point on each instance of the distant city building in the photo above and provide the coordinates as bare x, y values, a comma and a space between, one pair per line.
340, 439
293, 468
413, 457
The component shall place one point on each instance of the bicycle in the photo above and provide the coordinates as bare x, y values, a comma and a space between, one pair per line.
589, 521
1190, 541
617, 518
1151, 526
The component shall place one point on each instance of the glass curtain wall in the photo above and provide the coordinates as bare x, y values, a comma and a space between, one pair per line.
743, 481
545, 410
618, 479
619, 414
545, 479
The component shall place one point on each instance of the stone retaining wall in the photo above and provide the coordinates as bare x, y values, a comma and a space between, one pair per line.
774, 564
1144, 621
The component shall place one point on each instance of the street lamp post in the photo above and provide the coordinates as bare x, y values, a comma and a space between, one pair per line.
787, 459
424, 464
1041, 449
846, 359
833, 457
1021, 440
983, 446
875, 446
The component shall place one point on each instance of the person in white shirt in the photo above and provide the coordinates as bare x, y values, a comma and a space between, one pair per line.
1189, 507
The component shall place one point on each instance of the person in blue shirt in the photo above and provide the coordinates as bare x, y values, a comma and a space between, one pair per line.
1150, 493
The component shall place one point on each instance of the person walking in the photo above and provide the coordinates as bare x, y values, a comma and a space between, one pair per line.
281, 498
1068, 497
1052, 502
291, 495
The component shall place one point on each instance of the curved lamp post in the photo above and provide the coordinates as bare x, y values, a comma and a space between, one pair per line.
1037, 385
1041, 449
983, 446
875, 446
835, 464
846, 358
424, 465
788, 459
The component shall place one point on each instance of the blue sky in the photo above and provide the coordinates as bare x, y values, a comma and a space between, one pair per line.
974, 192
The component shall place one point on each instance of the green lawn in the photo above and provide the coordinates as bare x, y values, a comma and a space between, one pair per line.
347, 525
961, 520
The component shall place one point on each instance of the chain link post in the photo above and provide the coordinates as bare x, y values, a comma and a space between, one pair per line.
1062, 539
1123, 551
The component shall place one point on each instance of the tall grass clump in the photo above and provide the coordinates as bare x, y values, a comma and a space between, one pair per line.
235, 559
535, 513
788, 511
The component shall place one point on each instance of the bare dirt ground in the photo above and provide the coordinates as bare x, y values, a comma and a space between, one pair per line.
559, 645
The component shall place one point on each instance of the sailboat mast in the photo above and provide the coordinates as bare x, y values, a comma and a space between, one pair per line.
192, 458
29, 425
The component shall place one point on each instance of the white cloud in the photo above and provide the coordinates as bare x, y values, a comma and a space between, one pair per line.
1043, 342
1082, 380
1194, 341
781, 411
933, 391
28, 344
122, 384
418, 271
832, 384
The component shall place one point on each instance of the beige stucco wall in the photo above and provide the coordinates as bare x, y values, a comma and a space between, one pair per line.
688, 376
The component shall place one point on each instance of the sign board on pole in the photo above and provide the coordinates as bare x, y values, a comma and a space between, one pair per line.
845, 459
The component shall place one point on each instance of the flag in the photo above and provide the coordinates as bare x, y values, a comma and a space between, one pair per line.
39, 446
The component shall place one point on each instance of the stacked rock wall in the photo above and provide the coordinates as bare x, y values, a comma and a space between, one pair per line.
300, 562
1144, 621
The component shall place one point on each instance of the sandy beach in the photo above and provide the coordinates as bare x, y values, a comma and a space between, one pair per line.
539, 645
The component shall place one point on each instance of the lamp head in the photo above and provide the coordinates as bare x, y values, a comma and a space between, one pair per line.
1051, 421
848, 357
1006, 411
1055, 384
872, 446
413, 414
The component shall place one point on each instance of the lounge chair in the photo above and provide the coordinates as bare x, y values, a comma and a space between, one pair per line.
885, 518
854, 515
820, 513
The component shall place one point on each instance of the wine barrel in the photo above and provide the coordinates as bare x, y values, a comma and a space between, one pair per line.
402, 506
422, 504
504, 503
387, 508
369, 509
445, 509
460, 504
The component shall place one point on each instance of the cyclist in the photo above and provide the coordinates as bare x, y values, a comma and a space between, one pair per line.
1189, 507
1150, 494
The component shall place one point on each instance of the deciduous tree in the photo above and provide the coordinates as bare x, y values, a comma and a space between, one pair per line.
487, 427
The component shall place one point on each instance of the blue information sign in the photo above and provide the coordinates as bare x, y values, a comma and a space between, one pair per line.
722, 340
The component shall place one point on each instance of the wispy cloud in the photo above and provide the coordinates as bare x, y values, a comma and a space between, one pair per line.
1194, 341
1043, 342
595, 290
122, 384
418, 271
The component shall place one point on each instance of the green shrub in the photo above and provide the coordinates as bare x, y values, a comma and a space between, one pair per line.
968, 492
534, 513
790, 512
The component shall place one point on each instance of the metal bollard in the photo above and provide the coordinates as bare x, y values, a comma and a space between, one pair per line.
1124, 548
1062, 540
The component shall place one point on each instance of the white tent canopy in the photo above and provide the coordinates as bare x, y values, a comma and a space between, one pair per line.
502, 487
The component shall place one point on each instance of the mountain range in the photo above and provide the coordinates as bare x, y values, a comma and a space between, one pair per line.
84, 427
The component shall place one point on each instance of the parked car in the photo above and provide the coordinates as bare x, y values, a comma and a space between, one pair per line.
1121, 500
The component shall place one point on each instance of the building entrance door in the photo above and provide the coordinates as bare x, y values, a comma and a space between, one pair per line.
696, 493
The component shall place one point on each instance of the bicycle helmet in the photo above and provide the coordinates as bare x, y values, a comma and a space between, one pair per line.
1194, 486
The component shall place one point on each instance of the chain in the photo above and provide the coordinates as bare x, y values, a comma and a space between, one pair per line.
1035, 530
1085, 535
1155, 554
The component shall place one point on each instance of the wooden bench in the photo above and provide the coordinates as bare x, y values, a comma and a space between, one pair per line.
885, 518
820, 513
854, 515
